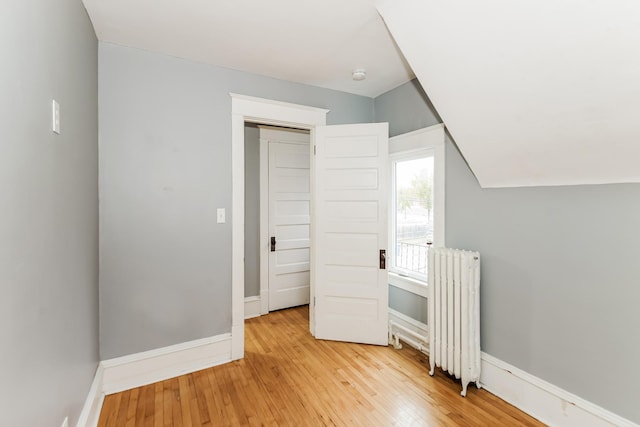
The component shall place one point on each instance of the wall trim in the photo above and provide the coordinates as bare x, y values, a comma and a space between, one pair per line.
408, 284
90, 413
409, 330
136, 370
425, 140
428, 137
264, 301
538, 398
264, 111
542, 400
252, 307
409, 322
264, 225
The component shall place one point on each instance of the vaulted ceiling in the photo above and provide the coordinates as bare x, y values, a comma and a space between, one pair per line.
533, 92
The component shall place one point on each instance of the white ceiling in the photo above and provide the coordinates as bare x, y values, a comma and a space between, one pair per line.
533, 92
317, 42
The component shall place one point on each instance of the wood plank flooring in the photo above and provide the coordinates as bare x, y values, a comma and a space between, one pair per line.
288, 378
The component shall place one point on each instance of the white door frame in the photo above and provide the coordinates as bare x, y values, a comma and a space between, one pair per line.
268, 112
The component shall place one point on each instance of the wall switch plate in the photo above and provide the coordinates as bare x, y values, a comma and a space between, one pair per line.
55, 117
221, 216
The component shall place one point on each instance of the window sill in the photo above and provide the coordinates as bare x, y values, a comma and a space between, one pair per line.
408, 284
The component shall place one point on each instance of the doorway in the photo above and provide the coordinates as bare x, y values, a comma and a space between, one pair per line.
349, 229
255, 110
277, 218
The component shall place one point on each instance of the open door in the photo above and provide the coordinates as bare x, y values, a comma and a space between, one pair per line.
350, 233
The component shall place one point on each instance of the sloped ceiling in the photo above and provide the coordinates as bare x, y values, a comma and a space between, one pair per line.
533, 92
316, 42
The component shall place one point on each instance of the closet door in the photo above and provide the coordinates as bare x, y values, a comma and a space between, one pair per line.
289, 220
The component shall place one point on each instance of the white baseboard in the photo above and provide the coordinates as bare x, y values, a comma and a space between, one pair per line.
264, 301
542, 400
93, 405
420, 329
136, 370
538, 398
252, 307
237, 341
409, 322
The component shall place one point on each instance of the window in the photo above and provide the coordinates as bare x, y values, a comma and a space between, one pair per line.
417, 202
413, 215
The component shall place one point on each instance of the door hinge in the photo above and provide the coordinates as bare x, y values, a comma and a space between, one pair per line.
314, 150
314, 301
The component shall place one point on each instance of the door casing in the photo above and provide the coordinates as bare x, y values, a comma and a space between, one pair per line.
261, 111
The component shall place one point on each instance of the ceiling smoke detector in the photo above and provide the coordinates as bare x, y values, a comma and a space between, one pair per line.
359, 74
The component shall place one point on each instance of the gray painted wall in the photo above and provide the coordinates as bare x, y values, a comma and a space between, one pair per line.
408, 303
252, 210
560, 276
165, 166
48, 212
406, 108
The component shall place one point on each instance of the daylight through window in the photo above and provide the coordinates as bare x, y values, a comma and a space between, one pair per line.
413, 206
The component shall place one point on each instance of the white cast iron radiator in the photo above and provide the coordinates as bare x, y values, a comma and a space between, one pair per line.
454, 314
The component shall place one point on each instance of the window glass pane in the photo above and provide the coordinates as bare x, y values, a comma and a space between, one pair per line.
414, 215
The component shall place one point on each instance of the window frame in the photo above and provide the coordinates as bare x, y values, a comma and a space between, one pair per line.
422, 143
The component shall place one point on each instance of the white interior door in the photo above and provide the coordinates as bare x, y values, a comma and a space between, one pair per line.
350, 231
289, 219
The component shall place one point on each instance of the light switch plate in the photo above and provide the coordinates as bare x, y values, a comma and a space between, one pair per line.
55, 117
221, 216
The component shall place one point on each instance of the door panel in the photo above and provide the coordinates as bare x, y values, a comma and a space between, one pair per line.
350, 228
289, 219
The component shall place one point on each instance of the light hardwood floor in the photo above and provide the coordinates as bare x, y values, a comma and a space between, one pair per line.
287, 378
